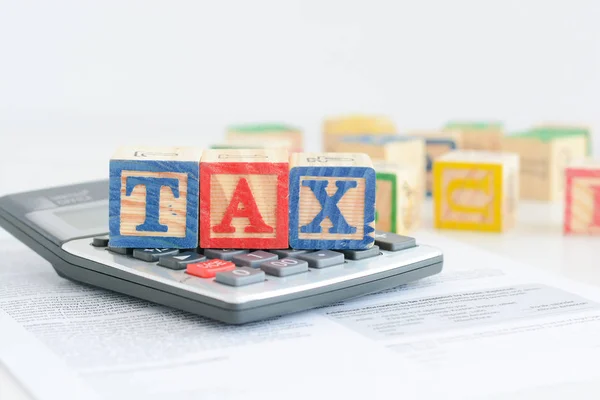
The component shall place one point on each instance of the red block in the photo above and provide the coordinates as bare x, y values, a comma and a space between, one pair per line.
582, 199
208, 269
244, 199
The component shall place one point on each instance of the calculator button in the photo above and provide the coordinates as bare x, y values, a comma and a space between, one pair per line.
208, 269
284, 267
152, 255
240, 276
361, 254
322, 259
126, 251
393, 242
100, 241
283, 253
223, 254
254, 259
181, 260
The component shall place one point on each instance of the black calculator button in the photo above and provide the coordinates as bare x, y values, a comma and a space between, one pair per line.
284, 267
283, 253
152, 255
322, 259
393, 242
125, 251
361, 254
100, 241
181, 260
223, 254
240, 276
254, 259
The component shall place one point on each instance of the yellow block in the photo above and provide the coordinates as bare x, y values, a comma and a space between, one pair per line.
475, 190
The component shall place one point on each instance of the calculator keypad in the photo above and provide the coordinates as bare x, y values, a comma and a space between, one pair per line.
361, 254
152, 255
254, 259
322, 259
208, 269
285, 267
240, 276
181, 260
223, 254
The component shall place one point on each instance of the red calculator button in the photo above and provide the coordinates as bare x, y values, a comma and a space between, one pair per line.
208, 269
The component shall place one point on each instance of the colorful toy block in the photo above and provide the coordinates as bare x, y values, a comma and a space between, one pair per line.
153, 199
332, 201
567, 130
437, 143
244, 199
582, 198
544, 156
263, 133
335, 128
475, 190
480, 135
402, 149
248, 143
397, 208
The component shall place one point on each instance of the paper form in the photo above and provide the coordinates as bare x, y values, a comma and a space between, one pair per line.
481, 328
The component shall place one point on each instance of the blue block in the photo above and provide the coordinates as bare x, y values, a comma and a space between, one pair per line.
137, 220
310, 205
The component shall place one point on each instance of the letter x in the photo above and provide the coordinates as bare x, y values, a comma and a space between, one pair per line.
329, 207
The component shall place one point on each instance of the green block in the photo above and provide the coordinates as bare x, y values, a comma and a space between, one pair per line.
392, 178
474, 125
262, 128
546, 134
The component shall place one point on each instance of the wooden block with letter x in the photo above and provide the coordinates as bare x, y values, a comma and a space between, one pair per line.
244, 199
475, 190
582, 198
332, 201
153, 199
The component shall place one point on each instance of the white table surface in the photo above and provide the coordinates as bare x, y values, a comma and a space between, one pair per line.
537, 240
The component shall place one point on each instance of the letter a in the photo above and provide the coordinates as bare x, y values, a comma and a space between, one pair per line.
242, 195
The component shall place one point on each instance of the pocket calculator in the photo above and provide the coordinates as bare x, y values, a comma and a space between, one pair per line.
68, 226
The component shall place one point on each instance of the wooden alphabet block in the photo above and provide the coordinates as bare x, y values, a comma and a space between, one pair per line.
263, 133
335, 128
332, 201
544, 156
244, 199
582, 198
560, 130
478, 135
153, 199
407, 150
475, 190
397, 208
249, 143
437, 143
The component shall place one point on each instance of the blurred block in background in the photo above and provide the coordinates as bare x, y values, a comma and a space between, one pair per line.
478, 135
249, 143
476, 190
437, 143
582, 198
544, 155
334, 128
261, 134
567, 130
397, 206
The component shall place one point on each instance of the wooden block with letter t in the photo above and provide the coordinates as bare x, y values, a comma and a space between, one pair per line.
475, 190
332, 201
397, 208
244, 199
153, 199
582, 198
544, 155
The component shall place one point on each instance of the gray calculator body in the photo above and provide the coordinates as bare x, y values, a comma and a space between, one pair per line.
59, 224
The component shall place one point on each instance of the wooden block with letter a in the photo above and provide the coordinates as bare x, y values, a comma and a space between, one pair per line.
544, 155
266, 132
397, 208
475, 190
437, 143
582, 198
244, 199
480, 135
334, 128
153, 199
332, 201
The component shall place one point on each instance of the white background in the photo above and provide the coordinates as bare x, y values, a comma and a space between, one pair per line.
78, 78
